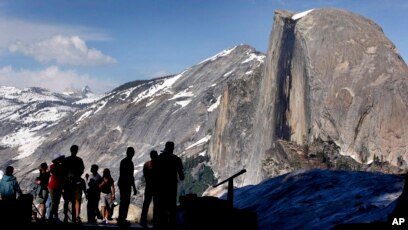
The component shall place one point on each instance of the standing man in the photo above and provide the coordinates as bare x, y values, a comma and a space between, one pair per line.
170, 167
150, 175
94, 194
125, 183
74, 168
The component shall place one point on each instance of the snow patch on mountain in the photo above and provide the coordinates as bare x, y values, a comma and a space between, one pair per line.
228, 73
50, 114
220, 54
25, 139
84, 115
184, 93
159, 88
183, 103
150, 103
215, 105
200, 142
101, 105
252, 56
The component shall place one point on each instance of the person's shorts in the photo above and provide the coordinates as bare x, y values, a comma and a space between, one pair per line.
42, 198
77, 193
106, 200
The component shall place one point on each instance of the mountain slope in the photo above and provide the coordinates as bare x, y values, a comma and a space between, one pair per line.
27, 116
182, 108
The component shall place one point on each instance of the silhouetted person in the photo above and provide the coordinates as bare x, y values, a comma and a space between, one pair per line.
42, 195
170, 166
125, 183
107, 187
55, 185
9, 186
74, 168
94, 194
150, 175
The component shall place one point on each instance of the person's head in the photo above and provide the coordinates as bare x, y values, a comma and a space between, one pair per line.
38, 180
153, 154
9, 170
94, 168
43, 167
169, 147
130, 152
106, 173
74, 150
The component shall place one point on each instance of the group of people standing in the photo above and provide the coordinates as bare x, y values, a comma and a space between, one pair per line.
64, 179
161, 174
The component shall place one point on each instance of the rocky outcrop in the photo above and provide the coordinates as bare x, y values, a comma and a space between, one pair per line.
329, 75
356, 87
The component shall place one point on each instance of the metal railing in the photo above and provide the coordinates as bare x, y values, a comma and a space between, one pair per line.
230, 193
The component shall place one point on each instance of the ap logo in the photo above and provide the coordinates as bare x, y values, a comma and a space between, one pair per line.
398, 221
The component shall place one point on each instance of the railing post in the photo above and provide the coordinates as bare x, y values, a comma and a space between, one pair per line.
230, 194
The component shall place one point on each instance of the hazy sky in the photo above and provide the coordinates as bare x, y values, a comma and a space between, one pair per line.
104, 43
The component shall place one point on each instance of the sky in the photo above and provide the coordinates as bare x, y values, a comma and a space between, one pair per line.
60, 44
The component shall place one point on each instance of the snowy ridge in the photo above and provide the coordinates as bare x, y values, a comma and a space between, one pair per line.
158, 89
320, 199
89, 100
220, 54
27, 95
31, 111
301, 14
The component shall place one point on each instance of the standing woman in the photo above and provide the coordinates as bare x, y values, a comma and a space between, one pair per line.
107, 194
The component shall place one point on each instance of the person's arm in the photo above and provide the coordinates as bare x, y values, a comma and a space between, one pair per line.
180, 170
104, 181
134, 187
113, 190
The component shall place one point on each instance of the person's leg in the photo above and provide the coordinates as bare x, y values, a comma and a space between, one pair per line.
77, 198
146, 203
172, 207
48, 207
90, 212
125, 192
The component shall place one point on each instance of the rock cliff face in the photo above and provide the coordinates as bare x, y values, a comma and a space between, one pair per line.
329, 75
